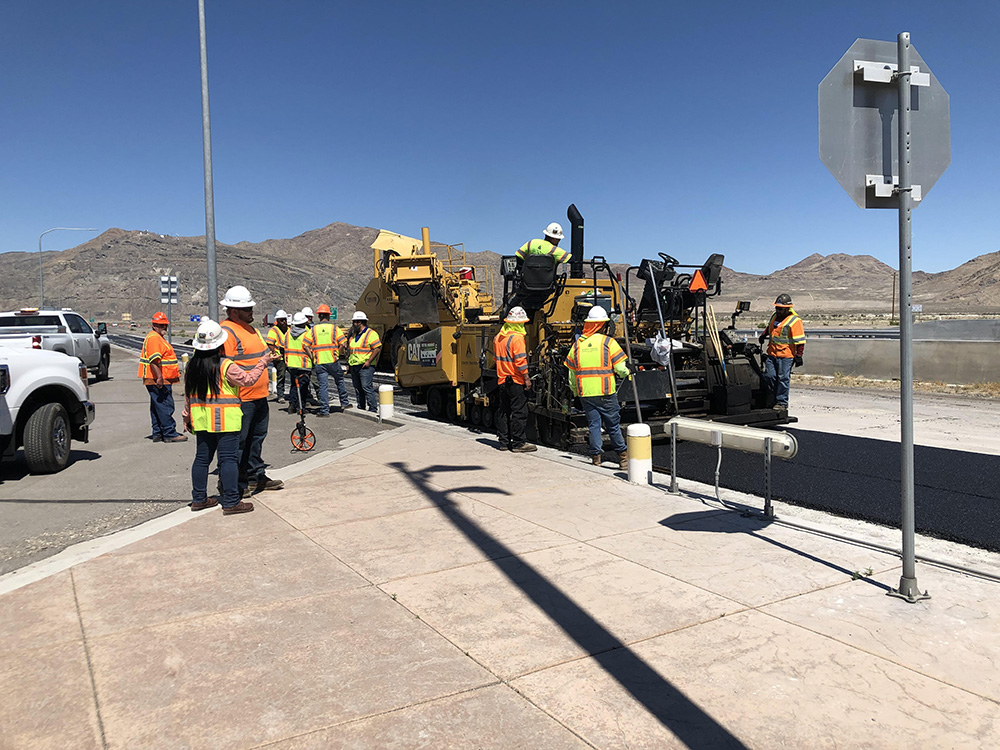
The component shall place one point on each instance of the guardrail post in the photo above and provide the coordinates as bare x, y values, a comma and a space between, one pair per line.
768, 509
673, 458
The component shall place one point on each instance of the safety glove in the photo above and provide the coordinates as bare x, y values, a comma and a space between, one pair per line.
798, 361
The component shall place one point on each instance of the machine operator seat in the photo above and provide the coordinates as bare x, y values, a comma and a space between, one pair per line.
538, 274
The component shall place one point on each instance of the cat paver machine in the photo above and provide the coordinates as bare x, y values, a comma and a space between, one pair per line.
661, 314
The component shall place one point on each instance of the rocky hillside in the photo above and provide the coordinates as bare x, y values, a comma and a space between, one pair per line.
118, 272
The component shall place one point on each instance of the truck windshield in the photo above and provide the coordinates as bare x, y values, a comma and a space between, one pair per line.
20, 321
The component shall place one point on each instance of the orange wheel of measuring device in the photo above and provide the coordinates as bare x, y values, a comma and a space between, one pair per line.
303, 440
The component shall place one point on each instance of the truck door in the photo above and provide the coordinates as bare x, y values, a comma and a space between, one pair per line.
87, 347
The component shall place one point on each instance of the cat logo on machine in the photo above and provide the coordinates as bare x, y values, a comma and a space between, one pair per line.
372, 300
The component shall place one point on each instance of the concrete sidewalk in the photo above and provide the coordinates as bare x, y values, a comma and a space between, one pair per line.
429, 591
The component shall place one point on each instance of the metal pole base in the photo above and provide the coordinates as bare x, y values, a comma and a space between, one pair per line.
908, 591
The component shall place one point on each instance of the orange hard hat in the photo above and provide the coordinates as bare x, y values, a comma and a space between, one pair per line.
323, 309
160, 318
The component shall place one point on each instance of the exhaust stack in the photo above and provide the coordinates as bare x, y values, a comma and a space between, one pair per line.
576, 242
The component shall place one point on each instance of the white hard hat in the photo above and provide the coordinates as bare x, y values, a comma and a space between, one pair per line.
210, 336
597, 314
299, 319
516, 315
554, 231
281, 314
238, 296
307, 311
359, 316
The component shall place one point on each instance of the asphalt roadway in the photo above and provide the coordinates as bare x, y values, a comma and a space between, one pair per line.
121, 478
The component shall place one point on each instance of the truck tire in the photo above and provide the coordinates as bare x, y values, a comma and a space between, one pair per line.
104, 366
47, 439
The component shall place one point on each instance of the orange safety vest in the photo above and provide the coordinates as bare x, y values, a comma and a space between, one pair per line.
245, 346
220, 413
511, 357
155, 349
324, 342
785, 336
592, 361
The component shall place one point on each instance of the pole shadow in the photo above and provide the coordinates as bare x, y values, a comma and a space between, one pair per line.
663, 700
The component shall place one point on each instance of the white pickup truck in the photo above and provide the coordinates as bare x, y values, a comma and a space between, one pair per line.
44, 404
58, 331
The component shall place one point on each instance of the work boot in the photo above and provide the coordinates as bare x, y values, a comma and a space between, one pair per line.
266, 483
240, 507
780, 407
176, 439
623, 460
596, 460
209, 502
524, 448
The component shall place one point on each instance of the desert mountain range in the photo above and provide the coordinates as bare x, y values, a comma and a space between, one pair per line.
118, 273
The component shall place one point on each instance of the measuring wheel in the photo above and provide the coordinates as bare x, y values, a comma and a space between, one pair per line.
303, 438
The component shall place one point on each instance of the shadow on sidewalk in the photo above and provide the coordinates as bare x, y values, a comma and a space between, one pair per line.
674, 710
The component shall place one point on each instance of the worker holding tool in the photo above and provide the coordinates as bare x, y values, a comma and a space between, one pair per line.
158, 369
245, 346
323, 345
363, 349
593, 361
298, 362
276, 343
549, 246
784, 350
512, 377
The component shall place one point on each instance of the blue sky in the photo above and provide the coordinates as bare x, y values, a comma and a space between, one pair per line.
682, 128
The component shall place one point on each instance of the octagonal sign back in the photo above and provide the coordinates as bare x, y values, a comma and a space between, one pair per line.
858, 124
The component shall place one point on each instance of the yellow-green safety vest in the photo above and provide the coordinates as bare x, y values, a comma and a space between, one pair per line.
360, 346
220, 413
542, 247
592, 362
295, 352
324, 343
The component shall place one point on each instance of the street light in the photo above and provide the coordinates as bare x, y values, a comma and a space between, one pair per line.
41, 293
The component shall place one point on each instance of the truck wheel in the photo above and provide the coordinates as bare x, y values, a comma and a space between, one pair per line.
47, 439
435, 402
104, 366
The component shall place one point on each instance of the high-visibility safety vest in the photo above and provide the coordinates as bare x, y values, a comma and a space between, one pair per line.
323, 340
542, 247
245, 346
361, 345
221, 413
276, 338
156, 350
295, 351
785, 335
511, 358
592, 362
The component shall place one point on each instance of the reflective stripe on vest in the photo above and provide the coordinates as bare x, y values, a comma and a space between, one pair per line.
360, 346
592, 361
783, 338
324, 343
512, 360
156, 350
276, 338
221, 413
295, 352
543, 247
245, 347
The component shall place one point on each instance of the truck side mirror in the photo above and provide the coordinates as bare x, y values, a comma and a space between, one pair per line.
102, 329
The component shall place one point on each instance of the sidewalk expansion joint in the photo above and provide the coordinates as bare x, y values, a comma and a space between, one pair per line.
90, 664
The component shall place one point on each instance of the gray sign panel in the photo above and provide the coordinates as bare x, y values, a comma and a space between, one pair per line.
858, 118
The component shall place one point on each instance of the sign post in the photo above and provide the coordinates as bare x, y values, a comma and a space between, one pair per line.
169, 297
859, 113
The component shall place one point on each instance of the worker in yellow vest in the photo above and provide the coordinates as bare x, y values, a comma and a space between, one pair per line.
324, 343
213, 412
276, 343
549, 246
363, 349
159, 370
298, 361
593, 361
784, 350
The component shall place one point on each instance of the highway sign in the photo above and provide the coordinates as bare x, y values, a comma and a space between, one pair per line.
195, 318
168, 290
333, 313
859, 118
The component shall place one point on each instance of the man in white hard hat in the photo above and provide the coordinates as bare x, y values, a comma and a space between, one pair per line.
512, 378
245, 346
276, 343
593, 361
549, 246
363, 349
298, 360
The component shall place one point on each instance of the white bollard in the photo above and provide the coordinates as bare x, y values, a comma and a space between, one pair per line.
385, 404
640, 454
272, 381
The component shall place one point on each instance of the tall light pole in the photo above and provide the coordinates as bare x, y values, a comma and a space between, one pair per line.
41, 291
206, 137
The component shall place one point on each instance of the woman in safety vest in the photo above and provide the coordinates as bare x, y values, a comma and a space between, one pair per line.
212, 412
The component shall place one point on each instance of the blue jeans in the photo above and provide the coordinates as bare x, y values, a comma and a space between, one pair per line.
778, 377
298, 386
256, 417
604, 409
365, 387
227, 444
323, 372
161, 411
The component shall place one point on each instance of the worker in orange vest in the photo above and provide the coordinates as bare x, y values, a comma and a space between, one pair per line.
245, 346
784, 350
512, 378
159, 370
